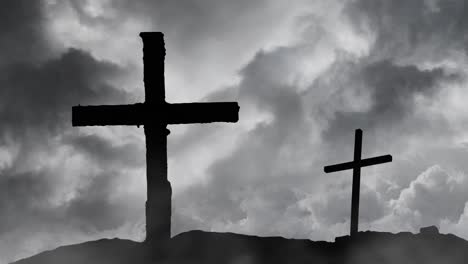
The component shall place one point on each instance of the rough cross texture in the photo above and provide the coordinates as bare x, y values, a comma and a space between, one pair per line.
155, 114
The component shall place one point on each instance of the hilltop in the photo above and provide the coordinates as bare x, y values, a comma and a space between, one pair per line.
207, 247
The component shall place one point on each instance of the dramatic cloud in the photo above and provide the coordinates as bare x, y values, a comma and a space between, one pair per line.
54, 179
391, 91
381, 91
435, 195
306, 75
423, 31
23, 38
41, 165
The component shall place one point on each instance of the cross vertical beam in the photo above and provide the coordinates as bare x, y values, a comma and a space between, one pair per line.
154, 54
159, 191
356, 166
356, 182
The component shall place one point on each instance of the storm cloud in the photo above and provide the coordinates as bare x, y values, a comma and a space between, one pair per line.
306, 74
53, 179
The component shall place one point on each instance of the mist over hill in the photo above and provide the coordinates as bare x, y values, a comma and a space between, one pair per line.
207, 247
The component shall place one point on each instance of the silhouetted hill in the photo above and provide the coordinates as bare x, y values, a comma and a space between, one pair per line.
206, 247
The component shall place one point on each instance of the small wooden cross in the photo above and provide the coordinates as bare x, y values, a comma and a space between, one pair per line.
356, 166
155, 114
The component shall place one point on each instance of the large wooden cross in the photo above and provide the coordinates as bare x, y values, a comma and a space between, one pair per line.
155, 114
356, 166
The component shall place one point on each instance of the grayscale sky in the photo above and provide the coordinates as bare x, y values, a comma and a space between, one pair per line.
306, 74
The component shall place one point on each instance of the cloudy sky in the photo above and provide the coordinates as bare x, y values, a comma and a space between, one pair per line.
306, 74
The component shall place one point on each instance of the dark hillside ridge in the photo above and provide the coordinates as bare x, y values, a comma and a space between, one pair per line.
207, 247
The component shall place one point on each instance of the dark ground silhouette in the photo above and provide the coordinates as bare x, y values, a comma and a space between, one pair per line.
428, 247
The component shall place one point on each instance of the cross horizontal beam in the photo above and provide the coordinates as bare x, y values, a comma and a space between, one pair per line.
361, 163
145, 114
